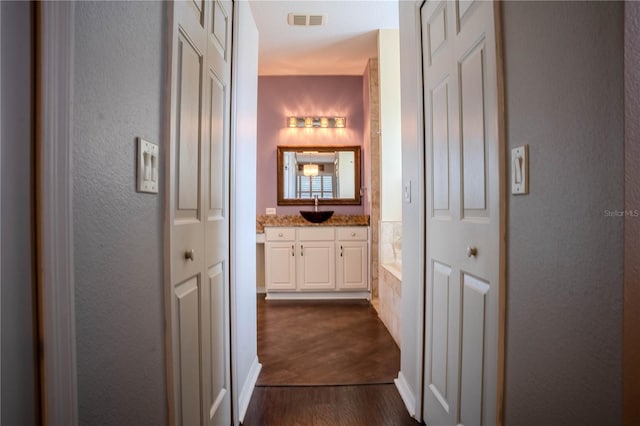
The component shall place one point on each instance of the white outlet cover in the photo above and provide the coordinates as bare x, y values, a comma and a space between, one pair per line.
148, 166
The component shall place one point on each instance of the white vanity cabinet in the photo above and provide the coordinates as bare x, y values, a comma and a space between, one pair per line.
352, 258
280, 259
316, 262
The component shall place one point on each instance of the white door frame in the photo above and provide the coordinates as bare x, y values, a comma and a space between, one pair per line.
54, 86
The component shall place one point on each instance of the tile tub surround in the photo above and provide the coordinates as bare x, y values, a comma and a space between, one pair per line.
389, 300
297, 220
390, 276
390, 242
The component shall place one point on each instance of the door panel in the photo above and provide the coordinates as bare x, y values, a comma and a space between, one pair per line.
437, 31
197, 8
220, 29
463, 223
188, 143
217, 388
440, 342
440, 153
216, 166
186, 299
473, 333
462, 7
473, 138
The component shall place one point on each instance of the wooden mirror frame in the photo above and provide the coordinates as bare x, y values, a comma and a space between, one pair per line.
327, 202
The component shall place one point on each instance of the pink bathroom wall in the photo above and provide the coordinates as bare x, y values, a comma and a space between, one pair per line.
282, 96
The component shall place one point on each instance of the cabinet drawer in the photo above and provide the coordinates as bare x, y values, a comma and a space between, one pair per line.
319, 233
353, 234
280, 234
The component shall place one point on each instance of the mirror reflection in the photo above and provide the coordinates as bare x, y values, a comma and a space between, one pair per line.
330, 173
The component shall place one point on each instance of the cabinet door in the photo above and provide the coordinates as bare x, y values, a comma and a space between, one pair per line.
316, 265
280, 266
352, 265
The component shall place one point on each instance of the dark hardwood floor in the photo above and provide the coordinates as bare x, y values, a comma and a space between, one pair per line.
324, 343
364, 405
340, 348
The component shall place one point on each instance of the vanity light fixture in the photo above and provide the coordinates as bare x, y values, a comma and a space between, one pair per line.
310, 170
317, 122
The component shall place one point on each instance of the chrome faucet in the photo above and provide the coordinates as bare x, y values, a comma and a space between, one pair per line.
316, 201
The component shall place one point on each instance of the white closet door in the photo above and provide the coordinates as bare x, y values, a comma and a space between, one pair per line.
198, 177
463, 213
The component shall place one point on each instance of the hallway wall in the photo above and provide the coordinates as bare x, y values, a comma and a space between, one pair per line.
118, 233
244, 326
410, 377
564, 97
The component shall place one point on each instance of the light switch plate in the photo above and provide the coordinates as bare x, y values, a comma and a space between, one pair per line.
520, 170
407, 192
148, 166
271, 211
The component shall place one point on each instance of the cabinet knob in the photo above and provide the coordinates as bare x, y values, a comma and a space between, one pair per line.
279, 234
353, 234
293, 251
190, 255
472, 251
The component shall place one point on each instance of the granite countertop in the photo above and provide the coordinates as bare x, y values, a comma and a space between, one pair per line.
297, 220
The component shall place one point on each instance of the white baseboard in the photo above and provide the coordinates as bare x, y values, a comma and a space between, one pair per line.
247, 389
319, 295
406, 394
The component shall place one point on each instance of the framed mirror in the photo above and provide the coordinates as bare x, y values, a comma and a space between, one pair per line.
332, 173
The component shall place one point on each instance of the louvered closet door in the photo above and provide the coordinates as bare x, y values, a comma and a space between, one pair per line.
199, 203
463, 213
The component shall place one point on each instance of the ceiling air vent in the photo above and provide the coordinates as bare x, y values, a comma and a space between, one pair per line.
299, 19
316, 19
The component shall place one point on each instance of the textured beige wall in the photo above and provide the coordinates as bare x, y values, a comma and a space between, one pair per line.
120, 55
564, 97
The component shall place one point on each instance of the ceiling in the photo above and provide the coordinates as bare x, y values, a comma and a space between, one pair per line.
340, 47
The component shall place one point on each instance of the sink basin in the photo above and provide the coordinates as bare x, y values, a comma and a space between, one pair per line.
316, 217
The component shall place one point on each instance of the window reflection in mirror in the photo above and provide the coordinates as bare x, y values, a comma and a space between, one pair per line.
330, 173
